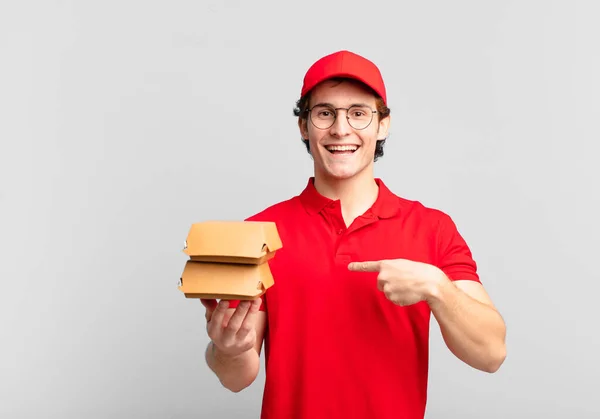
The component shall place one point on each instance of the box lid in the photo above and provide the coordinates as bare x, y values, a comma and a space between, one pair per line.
228, 240
221, 280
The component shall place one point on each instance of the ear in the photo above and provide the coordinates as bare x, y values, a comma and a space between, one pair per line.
303, 126
384, 127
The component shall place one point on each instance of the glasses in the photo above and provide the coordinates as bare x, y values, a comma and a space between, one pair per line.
323, 116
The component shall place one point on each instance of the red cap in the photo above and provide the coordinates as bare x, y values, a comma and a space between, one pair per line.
345, 64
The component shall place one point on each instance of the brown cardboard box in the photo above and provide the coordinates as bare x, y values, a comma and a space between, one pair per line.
232, 241
229, 259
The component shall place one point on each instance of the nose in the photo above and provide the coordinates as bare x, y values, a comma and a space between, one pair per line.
341, 127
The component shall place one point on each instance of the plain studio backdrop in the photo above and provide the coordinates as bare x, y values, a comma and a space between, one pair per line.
123, 122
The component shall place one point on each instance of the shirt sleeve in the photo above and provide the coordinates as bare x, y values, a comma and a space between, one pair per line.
454, 255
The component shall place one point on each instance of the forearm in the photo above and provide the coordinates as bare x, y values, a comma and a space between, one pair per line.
473, 331
235, 373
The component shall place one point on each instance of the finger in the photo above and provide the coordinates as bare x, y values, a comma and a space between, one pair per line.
216, 322
250, 320
210, 305
236, 319
367, 266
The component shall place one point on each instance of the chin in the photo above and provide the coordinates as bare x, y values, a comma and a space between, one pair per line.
339, 176
341, 173
341, 168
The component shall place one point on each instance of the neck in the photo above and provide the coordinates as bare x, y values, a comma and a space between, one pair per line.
356, 194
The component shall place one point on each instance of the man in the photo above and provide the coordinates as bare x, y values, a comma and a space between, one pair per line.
346, 325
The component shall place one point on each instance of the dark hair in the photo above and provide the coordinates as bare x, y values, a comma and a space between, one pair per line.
382, 111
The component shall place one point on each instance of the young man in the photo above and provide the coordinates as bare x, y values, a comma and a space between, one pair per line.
346, 325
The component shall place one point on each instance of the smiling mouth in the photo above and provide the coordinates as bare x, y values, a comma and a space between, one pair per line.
341, 149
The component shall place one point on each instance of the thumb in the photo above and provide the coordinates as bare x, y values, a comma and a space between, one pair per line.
367, 266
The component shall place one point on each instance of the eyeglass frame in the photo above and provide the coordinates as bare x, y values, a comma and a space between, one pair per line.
309, 111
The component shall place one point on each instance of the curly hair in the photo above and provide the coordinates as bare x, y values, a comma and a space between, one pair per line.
382, 111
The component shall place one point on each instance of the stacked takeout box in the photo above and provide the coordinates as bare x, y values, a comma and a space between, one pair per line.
229, 259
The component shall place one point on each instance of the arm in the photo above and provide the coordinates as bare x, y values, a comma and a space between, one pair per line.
472, 328
233, 353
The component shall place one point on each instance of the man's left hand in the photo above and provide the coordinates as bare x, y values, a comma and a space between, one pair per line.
404, 282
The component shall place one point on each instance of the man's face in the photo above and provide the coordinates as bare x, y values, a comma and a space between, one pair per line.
341, 151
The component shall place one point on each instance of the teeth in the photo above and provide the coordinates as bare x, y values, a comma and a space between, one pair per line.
342, 148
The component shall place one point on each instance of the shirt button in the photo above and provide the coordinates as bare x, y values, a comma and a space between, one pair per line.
340, 231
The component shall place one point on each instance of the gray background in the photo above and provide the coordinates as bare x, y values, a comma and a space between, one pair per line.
122, 122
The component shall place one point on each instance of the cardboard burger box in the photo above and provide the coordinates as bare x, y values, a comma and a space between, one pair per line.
229, 259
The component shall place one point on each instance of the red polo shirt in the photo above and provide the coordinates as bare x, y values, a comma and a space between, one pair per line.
335, 347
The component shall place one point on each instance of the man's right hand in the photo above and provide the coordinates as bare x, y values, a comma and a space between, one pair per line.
232, 332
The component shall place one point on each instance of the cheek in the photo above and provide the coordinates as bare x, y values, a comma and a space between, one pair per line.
315, 135
313, 142
370, 140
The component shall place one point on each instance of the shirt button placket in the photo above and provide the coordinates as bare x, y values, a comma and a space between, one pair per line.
341, 257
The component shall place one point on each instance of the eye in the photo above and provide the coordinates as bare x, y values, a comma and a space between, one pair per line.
323, 112
359, 113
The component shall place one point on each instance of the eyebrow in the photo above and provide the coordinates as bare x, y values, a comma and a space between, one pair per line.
332, 106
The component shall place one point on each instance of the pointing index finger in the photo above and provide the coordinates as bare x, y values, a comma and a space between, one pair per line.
366, 266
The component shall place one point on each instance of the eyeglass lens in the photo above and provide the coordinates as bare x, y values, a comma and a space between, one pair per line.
323, 117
